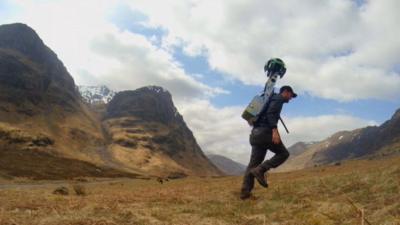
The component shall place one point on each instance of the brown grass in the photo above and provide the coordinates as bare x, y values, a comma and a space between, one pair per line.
314, 196
79, 189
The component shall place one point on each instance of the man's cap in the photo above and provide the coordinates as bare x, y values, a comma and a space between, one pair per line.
288, 88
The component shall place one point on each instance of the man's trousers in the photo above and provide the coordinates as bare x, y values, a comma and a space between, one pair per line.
261, 142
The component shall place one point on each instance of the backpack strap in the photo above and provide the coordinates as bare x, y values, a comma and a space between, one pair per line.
264, 108
284, 125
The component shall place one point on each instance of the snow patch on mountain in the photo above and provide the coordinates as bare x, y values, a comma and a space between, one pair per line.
96, 94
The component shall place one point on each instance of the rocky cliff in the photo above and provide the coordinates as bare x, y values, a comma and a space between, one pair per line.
146, 128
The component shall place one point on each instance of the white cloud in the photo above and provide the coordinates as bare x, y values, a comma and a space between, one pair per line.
141, 64
218, 130
343, 80
328, 45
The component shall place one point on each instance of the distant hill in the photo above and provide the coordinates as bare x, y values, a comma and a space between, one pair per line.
373, 141
227, 165
299, 147
369, 142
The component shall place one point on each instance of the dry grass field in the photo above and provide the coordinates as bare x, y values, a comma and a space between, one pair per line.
321, 195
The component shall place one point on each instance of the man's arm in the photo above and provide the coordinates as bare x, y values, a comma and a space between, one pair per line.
276, 138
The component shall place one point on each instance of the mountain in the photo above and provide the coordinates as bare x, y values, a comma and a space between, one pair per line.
227, 165
373, 141
299, 147
31, 74
42, 116
96, 94
369, 142
146, 128
49, 131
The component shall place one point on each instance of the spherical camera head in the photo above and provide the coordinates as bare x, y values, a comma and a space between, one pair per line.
275, 66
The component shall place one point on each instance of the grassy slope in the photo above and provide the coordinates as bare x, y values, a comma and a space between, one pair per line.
133, 146
294, 198
155, 148
32, 155
35, 164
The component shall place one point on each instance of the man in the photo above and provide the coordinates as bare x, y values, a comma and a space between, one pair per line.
265, 136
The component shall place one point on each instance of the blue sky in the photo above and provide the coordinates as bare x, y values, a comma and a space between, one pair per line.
342, 58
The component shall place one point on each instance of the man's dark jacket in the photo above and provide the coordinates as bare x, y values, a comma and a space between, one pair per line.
270, 113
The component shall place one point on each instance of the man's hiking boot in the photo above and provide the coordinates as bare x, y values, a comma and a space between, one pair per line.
245, 195
258, 173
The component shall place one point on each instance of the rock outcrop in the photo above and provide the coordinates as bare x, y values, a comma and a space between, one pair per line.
146, 128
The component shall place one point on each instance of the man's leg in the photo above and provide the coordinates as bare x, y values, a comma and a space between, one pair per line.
281, 154
257, 156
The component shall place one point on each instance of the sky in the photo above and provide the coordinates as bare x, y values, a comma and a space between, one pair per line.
342, 58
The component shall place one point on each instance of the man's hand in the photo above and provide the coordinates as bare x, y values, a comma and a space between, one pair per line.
276, 138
